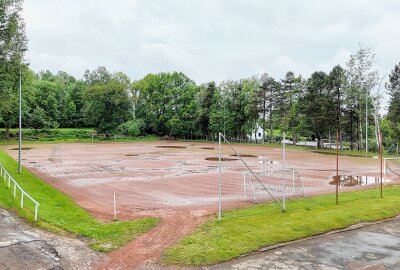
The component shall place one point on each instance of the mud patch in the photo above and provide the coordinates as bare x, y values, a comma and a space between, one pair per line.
131, 155
222, 159
23, 148
208, 148
245, 155
171, 146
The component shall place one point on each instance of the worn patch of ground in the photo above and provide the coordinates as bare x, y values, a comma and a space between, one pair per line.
25, 247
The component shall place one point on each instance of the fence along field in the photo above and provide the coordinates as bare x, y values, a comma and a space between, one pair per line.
16, 187
247, 178
280, 173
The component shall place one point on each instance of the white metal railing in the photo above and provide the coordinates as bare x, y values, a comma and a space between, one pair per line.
8, 178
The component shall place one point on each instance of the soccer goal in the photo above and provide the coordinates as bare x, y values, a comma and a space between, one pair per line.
391, 169
245, 179
56, 154
276, 181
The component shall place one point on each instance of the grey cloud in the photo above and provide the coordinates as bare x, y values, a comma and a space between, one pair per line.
209, 39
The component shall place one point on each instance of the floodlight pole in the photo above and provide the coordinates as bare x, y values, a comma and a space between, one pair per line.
337, 168
380, 137
219, 177
284, 174
20, 118
366, 123
223, 100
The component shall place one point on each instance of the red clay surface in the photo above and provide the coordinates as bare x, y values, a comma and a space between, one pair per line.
175, 184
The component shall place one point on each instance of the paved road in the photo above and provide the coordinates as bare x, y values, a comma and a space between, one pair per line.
372, 247
24, 247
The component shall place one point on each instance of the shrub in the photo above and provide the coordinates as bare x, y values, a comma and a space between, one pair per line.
131, 128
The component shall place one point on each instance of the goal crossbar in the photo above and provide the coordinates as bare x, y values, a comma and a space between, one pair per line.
387, 168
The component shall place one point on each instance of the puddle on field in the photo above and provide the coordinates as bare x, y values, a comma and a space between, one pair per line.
222, 159
244, 155
352, 181
22, 148
171, 146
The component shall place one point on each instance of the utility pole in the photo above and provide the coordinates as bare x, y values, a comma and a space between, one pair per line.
366, 123
20, 113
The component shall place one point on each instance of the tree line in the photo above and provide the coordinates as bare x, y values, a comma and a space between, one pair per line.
347, 99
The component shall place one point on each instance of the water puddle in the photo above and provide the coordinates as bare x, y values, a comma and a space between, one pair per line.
222, 159
22, 148
352, 181
171, 146
245, 155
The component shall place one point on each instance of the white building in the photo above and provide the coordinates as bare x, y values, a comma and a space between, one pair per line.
258, 134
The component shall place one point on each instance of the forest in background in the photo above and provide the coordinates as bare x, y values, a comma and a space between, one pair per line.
170, 103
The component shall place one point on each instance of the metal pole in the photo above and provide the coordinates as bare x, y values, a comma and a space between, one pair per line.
115, 208
22, 199
384, 171
219, 177
36, 212
380, 135
284, 174
329, 141
366, 123
20, 119
224, 115
337, 168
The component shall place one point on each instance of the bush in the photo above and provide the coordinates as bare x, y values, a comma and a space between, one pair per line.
131, 128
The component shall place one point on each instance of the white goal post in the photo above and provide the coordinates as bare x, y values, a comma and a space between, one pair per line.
293, 175
56, 154
387, 168
246, 178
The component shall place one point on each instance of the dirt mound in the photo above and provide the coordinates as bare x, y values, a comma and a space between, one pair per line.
168, 138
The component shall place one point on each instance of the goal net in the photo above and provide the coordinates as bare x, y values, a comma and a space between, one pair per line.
56, 153
245, 178
277, 182
391, 169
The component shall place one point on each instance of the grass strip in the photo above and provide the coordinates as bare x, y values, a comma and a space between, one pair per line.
249, 229
58, 213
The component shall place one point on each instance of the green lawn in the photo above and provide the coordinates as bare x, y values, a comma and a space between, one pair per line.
58, 213
249, 229
64, 135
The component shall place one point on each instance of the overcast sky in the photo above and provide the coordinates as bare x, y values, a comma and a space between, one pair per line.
209, 39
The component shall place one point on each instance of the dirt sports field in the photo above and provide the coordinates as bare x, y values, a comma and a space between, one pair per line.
170, 180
